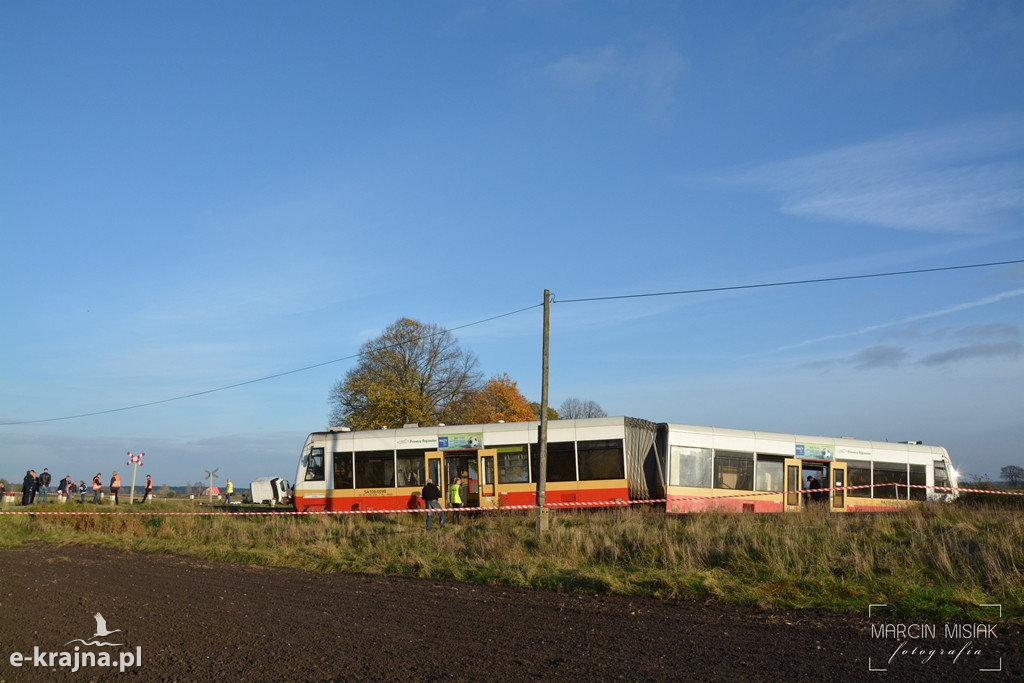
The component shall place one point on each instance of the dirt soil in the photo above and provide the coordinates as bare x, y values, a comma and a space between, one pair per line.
194, 620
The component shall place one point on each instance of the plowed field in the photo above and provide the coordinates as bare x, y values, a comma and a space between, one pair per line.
193, 620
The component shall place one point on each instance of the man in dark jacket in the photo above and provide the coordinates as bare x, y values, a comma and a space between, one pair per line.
64, 488
44, 484
431, 496
28, 488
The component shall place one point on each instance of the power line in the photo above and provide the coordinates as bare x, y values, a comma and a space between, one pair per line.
510, 313
787, 283
251, 381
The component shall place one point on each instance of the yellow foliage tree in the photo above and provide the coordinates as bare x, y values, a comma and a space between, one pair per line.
498, 400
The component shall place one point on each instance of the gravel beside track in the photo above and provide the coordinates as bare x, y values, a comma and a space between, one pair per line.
197, 620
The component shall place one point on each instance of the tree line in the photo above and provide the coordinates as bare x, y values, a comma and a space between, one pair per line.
416, 373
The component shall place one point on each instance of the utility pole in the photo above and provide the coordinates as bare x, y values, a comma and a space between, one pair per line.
542, 477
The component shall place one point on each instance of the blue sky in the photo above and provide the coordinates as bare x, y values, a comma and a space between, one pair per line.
194, 195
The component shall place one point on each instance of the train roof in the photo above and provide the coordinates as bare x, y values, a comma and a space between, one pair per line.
782, 443
717, 437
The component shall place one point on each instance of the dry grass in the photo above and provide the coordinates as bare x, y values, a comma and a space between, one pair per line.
935, 561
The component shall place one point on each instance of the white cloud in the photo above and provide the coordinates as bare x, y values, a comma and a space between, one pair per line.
646, 76
956, 179
864, 20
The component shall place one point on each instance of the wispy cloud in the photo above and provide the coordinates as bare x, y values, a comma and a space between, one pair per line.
1008, 349
646, 75
957, 179
908, 319
878, 357
838, 27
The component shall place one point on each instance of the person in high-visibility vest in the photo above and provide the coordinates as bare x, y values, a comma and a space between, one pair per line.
455, 498
97, 487
115, 486
228, 491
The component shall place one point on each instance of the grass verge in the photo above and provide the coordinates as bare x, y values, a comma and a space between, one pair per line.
927, 562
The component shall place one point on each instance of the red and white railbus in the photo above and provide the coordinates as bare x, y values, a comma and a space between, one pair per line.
710, 468
589, 461
615, 461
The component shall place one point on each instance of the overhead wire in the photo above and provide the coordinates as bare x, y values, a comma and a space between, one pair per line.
706, 290
258, 379
703, 290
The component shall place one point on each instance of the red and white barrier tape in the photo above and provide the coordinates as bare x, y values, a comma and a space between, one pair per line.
568, 505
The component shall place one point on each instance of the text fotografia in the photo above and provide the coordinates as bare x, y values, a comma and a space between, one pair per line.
78, 660
936, 644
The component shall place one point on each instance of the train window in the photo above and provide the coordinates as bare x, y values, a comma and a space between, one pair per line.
859, 474
513, 465
919, 477
561, 461
342, 470
734, 470
888, 476
315, 465
375, 469
769, 473
941, 477
410, 468
690, 467
839, 495
601, 460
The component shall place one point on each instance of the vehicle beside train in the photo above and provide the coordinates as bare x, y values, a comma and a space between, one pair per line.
611, 461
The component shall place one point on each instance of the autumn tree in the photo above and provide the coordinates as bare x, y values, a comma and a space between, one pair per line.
535, 407
412, 373
498, 400
574, 409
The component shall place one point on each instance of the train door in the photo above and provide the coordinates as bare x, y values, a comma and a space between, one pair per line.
794, 483
434, 470
836, 482
486, 465
463, 465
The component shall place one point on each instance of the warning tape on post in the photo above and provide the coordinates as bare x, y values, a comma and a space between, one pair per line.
242, 511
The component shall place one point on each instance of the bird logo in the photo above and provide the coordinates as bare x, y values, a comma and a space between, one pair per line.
101, 627
101, 632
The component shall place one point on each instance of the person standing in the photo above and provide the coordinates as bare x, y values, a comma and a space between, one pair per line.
455, 496
44, 484
28, 487
149, 489
431, 495
64, 487
115, 486
97, 488
82, 490
228, 491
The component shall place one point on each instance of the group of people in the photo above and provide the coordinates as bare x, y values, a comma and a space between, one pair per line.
431, 495
38, 485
